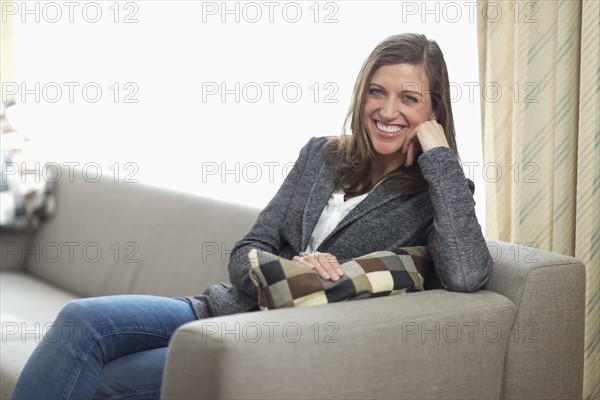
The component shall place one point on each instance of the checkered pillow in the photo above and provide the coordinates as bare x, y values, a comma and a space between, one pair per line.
283, 283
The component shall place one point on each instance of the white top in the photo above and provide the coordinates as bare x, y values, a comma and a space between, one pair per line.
335, 210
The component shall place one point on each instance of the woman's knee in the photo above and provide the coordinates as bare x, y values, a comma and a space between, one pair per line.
80, 310
82, 317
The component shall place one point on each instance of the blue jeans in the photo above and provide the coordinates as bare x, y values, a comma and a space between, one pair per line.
104, 348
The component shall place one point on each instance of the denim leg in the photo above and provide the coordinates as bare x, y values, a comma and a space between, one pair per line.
133, 377
90, 333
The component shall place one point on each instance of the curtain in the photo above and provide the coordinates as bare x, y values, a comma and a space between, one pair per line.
540, 90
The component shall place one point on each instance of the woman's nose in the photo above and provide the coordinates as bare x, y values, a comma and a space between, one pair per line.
390, 109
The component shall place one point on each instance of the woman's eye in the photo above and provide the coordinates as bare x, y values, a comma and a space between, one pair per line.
410, 99
376, 92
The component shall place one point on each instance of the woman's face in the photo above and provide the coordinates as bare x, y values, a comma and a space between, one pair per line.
397, 101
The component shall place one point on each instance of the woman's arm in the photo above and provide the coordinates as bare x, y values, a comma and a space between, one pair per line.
455, 241
264, 233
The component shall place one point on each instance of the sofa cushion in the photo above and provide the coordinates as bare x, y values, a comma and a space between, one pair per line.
28, 308
283, 283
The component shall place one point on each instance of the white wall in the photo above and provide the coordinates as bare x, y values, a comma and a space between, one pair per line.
170, 53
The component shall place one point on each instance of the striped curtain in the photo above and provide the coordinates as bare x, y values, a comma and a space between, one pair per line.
539, 73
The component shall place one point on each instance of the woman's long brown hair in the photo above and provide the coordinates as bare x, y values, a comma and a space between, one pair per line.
352, 154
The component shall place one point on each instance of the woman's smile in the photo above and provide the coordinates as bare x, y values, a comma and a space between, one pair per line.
389, 131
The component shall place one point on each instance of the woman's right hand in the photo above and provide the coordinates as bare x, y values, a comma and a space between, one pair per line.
426, 136
325, 265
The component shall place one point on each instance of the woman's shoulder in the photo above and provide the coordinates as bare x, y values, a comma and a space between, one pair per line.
318, 142
318, 145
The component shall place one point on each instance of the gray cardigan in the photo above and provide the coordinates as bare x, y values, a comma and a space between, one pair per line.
442, 218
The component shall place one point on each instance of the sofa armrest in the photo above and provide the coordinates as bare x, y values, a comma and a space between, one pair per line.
434, 344
14, 245
545, 358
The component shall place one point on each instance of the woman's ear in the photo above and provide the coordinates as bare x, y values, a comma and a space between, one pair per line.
433, 116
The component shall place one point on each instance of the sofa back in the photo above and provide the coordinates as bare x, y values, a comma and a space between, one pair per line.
112, 238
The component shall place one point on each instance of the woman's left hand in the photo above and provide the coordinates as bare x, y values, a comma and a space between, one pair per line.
425, 136
325, 265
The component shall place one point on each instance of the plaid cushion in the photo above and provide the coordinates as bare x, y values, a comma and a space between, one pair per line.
283, 283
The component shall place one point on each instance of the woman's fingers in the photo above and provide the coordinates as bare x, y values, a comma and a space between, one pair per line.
424, 137
413, 148
324, 264
410, 147
408, 140
330, 265
431, 135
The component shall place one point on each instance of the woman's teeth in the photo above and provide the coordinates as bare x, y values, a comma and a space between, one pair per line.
387, 128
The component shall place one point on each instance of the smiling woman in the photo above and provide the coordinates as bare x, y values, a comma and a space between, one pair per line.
397, 204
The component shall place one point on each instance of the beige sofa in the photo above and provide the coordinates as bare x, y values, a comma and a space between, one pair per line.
521, 337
